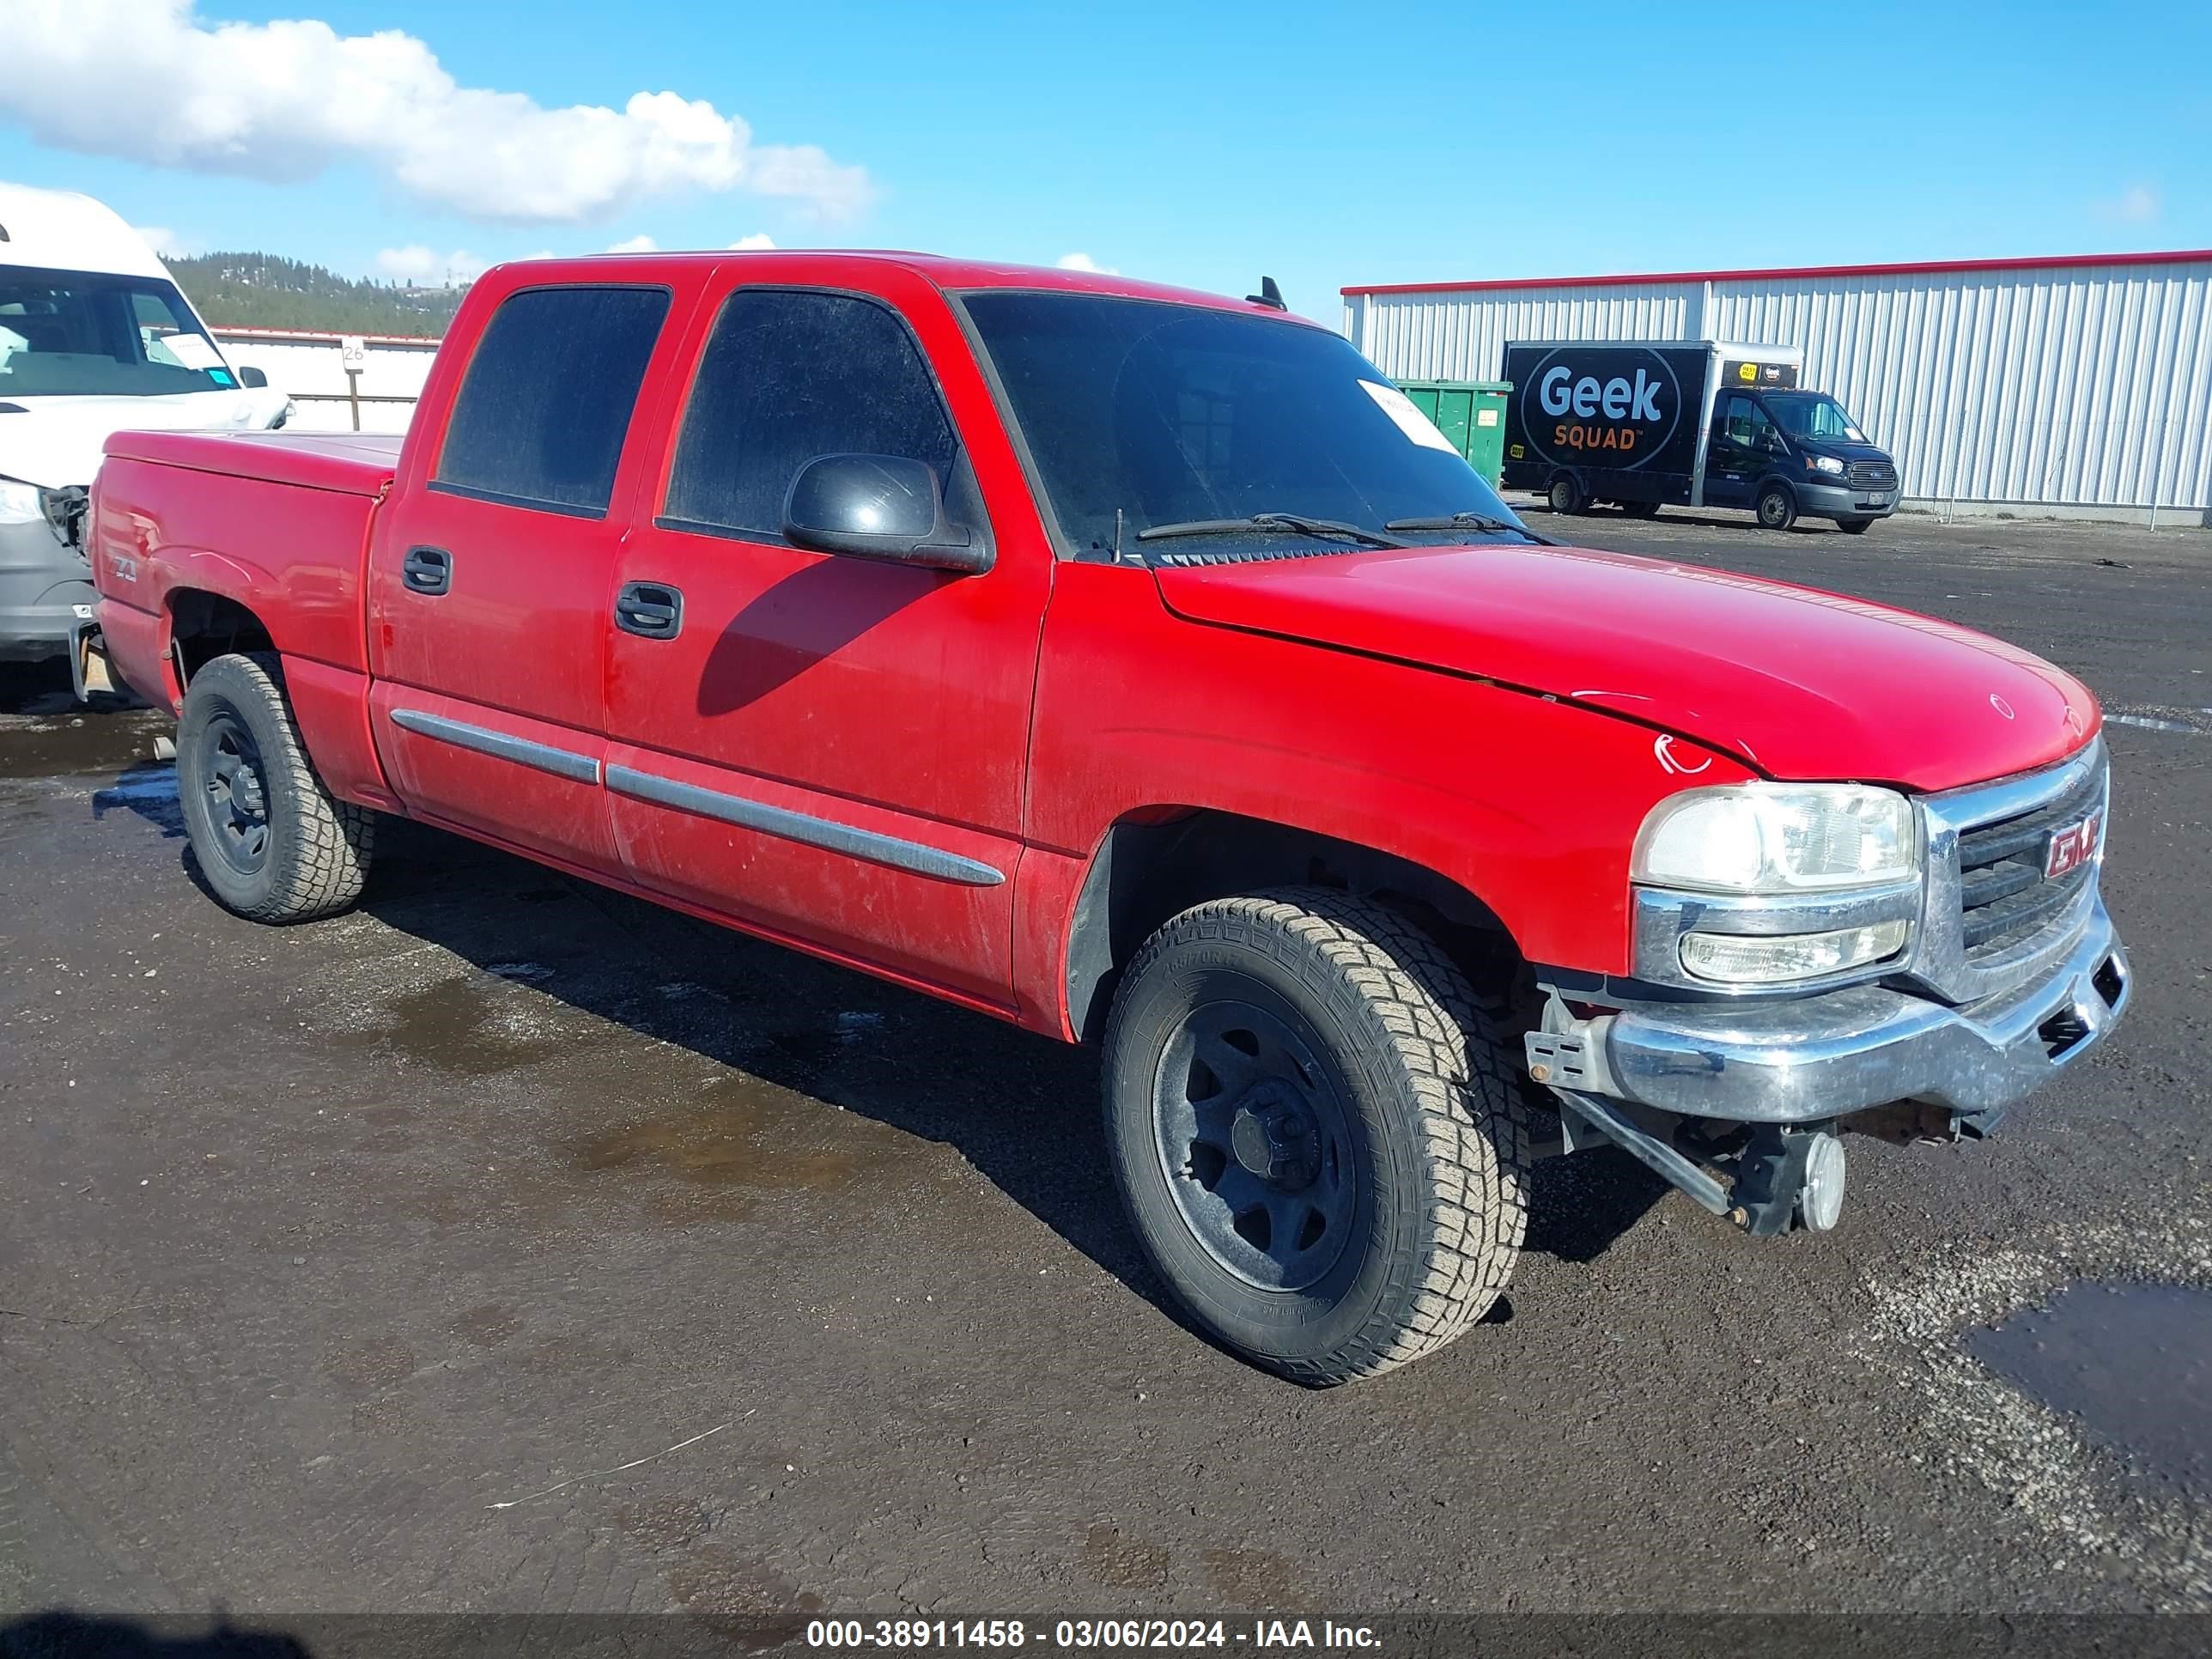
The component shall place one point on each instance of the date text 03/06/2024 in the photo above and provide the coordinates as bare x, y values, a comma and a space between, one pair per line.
856, 1635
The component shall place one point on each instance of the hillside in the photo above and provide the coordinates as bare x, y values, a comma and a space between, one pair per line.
262, 290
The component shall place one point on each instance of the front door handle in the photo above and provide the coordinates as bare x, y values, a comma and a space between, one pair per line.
427, 570
652, 611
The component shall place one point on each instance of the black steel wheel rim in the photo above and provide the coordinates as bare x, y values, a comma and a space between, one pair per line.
236, 787
1255, 1139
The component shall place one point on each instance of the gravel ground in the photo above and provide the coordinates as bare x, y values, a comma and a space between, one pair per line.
508, 1245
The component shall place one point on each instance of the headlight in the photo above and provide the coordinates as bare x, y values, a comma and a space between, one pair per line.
19, 503
1823, 464
1778, 838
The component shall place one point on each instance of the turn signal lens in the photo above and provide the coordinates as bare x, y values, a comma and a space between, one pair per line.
1742, 959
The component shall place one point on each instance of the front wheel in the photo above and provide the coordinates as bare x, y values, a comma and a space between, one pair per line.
1854, 526
1777, 507
273, 844
1316, 1131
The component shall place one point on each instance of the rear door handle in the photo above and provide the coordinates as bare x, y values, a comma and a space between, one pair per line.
652, 611
427, 570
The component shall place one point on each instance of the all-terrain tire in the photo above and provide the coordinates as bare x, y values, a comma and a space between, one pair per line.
237, 738
1437, 1127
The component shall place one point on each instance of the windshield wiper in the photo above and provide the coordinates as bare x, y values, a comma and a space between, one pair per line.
1489, 521
1297, 523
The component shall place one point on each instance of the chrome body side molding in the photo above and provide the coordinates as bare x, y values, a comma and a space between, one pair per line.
802, 827
540, 757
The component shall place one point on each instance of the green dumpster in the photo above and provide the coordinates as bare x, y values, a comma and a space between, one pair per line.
1471, 413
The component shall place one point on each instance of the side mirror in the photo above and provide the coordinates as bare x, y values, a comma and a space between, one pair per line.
251, 379
878, 507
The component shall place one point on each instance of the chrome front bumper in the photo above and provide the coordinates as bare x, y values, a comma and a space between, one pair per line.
1839, 1052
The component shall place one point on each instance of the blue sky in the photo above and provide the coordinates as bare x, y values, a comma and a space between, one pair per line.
1197, 144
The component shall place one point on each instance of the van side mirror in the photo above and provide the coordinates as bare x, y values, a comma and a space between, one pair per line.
253, 379
878, 507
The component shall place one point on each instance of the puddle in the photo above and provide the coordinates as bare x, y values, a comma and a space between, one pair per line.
460, 1026
73, 745
746, 1137
2131, 1363
857, 1027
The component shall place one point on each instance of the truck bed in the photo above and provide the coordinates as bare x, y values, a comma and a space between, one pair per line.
351, 463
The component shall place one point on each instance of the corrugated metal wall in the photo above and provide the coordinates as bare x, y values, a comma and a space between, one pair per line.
2052, 386
1462, 336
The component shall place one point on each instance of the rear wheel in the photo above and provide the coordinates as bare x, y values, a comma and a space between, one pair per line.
271, 842
1566, 495
1855, 526
1640, 509
1316, 1131
1778, 507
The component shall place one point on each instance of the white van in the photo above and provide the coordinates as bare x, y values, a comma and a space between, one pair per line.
94, 339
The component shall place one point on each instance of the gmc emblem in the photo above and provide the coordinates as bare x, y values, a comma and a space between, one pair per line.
2071, 846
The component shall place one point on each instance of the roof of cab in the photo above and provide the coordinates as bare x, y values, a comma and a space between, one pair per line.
951, 274
61, 230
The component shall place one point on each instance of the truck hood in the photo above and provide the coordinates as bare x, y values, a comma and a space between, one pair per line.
1797, 682
54, 442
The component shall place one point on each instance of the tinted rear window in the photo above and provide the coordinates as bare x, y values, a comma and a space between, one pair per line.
547, 399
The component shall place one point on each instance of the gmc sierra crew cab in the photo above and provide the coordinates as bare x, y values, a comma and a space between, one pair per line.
1140, 667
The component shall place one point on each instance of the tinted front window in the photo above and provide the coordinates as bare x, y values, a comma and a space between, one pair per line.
788, 377
1171, 413
71, 333
1746, 423
546, 403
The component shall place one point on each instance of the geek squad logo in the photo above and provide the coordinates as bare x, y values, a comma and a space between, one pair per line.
1619, 420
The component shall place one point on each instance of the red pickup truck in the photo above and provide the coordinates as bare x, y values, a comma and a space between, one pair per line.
1140, 667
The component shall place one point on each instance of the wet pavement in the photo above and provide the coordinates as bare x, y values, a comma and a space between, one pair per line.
509, 1244
2131, 1364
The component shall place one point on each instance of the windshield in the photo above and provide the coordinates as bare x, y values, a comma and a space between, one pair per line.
74, 333
1813, 415
1175, 415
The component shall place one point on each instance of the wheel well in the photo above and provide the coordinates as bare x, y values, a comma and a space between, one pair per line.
1147, 871
204, 625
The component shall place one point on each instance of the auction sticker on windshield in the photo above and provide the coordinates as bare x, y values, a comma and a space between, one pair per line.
1410, 421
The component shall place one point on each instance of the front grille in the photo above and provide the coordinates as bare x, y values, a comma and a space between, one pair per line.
1870, 475
2002, 896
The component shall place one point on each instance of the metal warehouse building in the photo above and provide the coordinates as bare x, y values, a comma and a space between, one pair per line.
2075, 384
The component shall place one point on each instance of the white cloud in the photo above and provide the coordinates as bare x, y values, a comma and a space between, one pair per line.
164, 241
1084, 262
422, 267
636, 245
752, 244
282, 101
2138, 205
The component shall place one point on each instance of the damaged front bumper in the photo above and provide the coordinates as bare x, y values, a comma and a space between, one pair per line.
1823, 1057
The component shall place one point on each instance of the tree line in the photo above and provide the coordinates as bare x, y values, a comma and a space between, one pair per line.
265, 290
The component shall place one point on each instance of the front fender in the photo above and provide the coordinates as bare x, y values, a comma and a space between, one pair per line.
1529, 804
